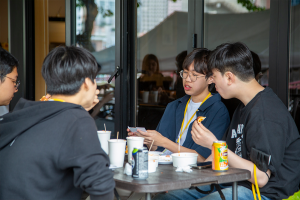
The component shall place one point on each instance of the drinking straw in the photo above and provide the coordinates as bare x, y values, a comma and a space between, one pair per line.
117, 135
178, 147
151, 145
105, 127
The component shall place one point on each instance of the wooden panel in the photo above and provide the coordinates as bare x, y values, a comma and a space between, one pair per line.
41, 44
56, 8
3, 21
57, 32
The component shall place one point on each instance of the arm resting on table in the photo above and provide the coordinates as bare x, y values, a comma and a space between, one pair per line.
238, 162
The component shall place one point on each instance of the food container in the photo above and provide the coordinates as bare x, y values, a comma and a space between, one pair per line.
165, 159
152, 164
184, 159
154, 155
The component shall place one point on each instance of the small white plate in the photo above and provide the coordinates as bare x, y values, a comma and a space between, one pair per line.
165, 160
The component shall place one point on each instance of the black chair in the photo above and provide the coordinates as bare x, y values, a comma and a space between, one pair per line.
149, 116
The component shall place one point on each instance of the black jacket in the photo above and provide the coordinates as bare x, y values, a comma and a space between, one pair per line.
50, 150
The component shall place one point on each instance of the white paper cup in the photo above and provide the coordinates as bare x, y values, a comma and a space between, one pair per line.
145, 96
154, 96
154, 155
104, 136
152, 164
116, 148
134, 142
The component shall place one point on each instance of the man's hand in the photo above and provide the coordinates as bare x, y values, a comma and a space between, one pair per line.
202, 136
45, 98
151, 135
48, 96
130, 133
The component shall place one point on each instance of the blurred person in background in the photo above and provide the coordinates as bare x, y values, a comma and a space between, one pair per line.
151, 78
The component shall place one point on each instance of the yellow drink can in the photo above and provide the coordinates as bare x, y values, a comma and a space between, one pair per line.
219, 156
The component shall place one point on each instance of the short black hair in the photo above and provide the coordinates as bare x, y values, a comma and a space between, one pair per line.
66, 67
256, 63
7, 63
233, 57
179, 60
199, 57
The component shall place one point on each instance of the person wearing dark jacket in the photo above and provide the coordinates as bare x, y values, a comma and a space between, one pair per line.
262, 136
50, 149
174, 128
216, 120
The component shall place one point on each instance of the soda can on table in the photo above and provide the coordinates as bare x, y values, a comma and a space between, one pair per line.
140, 163
219, 156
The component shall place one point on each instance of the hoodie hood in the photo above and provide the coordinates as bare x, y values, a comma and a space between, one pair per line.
27, 114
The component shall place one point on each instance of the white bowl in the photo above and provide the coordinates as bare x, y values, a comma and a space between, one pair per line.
184, 159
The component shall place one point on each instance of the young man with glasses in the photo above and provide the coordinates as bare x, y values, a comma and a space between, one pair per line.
174, 127
8, 77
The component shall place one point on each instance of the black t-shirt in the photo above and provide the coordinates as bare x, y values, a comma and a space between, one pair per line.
266, 125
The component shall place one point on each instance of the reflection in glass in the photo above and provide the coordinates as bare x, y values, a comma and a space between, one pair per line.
294, 84
161, 49
95, 31
230, 21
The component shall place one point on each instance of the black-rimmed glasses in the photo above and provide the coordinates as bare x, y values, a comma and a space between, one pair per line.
184, 75
16, 82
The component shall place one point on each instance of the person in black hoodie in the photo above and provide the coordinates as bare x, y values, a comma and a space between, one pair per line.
50, 149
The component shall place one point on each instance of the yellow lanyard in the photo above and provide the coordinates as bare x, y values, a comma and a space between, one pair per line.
58, 100
181, 132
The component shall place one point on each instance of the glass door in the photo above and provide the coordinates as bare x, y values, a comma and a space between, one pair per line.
234, 22
93, 25
162, 41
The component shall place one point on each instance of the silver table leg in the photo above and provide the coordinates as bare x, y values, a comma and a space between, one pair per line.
234, 191
148, 196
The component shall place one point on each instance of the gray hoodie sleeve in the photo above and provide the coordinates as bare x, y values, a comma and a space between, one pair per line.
82, 153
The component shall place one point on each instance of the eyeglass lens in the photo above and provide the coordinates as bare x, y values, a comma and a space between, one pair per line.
184, 75
15, 82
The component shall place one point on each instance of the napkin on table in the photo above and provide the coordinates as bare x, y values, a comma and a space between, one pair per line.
184, 169
128, 169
